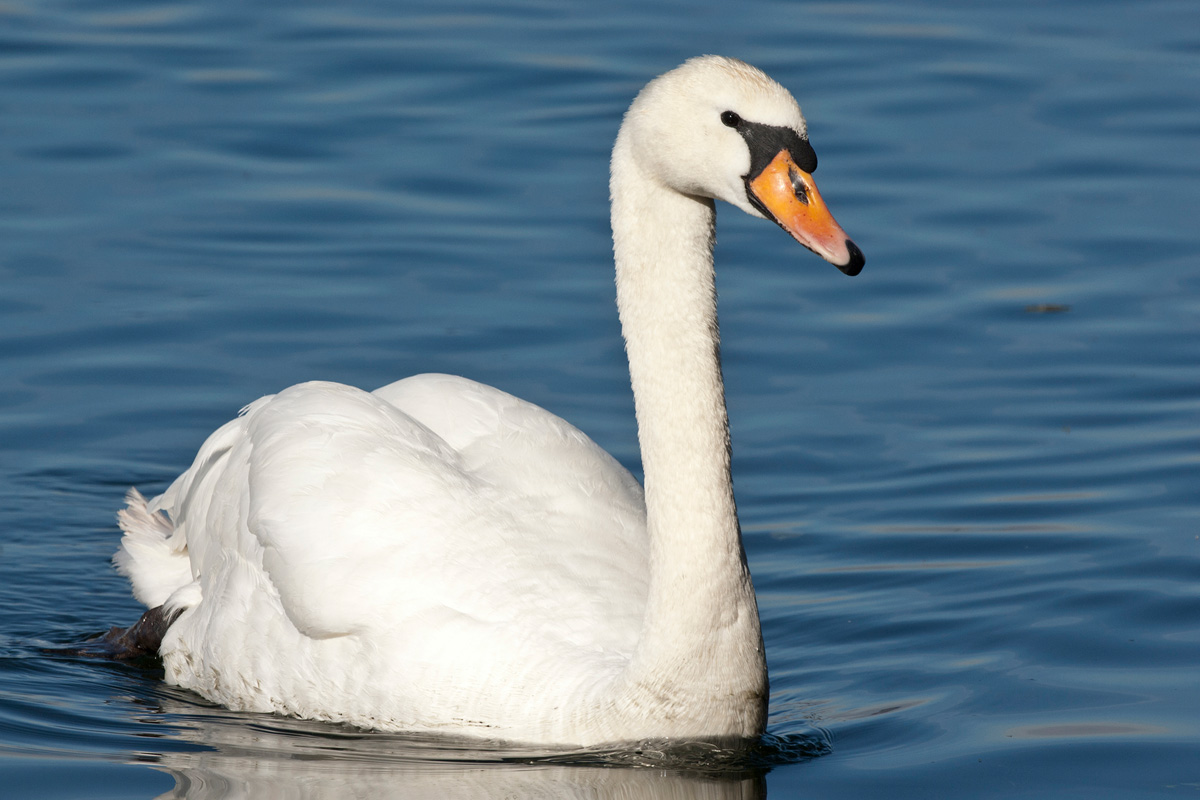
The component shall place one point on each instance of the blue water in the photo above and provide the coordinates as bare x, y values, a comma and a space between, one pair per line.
969, 478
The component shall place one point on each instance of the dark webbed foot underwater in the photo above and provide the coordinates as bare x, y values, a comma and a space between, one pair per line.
140, 641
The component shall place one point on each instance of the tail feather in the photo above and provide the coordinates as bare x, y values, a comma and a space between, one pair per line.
153, 558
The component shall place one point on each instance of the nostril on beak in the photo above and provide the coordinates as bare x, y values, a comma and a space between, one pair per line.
798, 185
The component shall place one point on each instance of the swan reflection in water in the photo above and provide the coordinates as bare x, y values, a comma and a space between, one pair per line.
238, 755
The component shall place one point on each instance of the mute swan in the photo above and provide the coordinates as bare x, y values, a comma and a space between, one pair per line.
438, 555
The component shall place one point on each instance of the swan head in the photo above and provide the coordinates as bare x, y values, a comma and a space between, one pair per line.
719, 128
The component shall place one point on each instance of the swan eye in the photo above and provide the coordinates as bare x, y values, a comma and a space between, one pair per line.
730, 119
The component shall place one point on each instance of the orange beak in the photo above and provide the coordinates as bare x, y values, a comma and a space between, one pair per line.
790, 197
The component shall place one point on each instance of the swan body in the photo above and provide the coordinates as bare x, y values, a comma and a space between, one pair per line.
438, 555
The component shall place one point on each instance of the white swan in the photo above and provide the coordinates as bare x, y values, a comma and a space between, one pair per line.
438, 555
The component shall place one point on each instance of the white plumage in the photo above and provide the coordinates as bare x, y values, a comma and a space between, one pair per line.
438, 555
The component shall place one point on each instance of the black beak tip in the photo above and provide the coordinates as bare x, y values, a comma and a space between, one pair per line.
855, 264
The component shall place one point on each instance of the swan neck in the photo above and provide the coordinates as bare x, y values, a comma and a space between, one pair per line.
701, 632
667, 303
